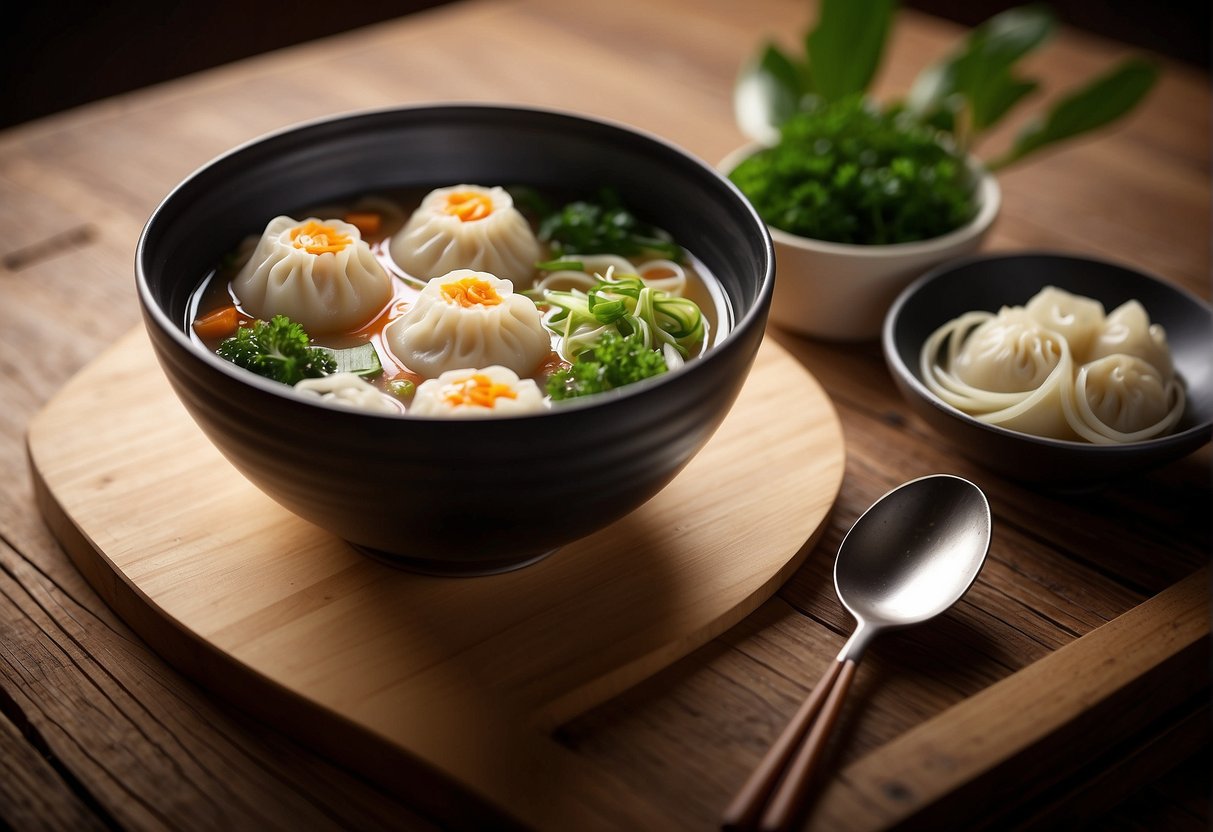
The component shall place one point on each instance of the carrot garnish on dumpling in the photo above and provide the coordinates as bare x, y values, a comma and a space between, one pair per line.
472, 290
469, 205
318, 238
472, 393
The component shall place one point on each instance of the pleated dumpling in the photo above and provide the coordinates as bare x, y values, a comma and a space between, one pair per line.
1078, 319
1009, 353
1057, 367
1128, 331
349, 390
1121, 398
469, 319
320, 274
471, 393
1008, 371
467, 227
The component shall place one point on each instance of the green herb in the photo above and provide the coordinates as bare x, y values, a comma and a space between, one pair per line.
966, 94
612, 362
628, 307
279, 349
529, 201
603, 227
560, 265
847, 174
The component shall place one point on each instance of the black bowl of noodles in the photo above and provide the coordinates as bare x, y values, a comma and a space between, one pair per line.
1124, 417
437, 493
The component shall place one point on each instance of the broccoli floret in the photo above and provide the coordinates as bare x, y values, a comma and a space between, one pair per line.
278, 349
613, 362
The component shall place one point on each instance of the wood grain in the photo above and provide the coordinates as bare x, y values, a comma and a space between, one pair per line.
394, 670
88, 697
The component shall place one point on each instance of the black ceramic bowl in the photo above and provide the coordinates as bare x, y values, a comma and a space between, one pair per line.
990, 282
448, 495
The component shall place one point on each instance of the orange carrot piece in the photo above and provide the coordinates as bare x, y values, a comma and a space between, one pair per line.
218, 324
367, 223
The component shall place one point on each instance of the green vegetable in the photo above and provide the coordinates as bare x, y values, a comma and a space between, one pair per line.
529, 201
626, 306
966, 94
603, 227
612, 362
402, 388
361, 360
279, 349
848, 174
560, 265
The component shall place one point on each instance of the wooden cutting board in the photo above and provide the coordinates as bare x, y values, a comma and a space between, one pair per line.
434, 686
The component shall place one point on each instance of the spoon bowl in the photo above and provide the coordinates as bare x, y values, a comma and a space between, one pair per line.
914, 553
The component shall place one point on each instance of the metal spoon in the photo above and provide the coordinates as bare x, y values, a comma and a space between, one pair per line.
908, 558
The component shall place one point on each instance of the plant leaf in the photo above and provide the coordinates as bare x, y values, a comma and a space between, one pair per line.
768, 90
1099, 103
980, 69
1005, 38
845, 48
931, 89
997, 97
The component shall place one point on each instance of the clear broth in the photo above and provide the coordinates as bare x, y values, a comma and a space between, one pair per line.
395, 207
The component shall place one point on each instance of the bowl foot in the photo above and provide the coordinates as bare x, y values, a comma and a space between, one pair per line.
445, 567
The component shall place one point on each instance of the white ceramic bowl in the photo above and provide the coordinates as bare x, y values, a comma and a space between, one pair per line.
841, 291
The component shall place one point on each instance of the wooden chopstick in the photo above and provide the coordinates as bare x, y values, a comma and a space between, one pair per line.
774, 793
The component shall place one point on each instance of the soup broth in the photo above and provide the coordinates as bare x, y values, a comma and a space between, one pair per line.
381, 218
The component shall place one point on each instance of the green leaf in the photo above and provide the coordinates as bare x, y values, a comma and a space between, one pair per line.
998, 97
1005, 38
1101, 102
979, 73
845, 48
930, 91
767, 92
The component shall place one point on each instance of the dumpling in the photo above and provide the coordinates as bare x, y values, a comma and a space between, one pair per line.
1121, 398
1009, 353
1128, 331
1020, 369
349, 390
467, 227
472, 393
320, 274
1078, 319
1009, 371
469, 319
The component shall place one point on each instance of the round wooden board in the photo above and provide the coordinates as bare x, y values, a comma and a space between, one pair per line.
425, 683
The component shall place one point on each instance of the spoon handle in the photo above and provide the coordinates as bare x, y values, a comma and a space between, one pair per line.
743, 812
789, 797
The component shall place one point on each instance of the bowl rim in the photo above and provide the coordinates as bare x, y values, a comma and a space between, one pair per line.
908, 377
988, 190
157, 316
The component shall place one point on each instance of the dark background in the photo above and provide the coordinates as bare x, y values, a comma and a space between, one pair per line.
56, 55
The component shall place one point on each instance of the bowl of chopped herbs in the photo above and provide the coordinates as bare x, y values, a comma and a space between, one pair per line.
861, 197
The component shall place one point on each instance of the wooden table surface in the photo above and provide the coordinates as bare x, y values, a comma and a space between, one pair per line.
96, 731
